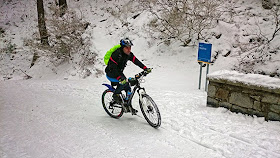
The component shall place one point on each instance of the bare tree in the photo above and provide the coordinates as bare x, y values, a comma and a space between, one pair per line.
261, 47
182, 19
276, 15
41, 23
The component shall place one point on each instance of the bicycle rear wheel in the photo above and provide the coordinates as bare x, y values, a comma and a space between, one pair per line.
150, 111
112, 109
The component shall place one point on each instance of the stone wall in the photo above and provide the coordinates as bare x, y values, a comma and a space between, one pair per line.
254, 95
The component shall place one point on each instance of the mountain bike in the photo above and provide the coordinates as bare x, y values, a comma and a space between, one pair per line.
148, 107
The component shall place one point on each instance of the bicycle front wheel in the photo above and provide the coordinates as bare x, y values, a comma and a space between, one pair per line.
112, 109
150, 111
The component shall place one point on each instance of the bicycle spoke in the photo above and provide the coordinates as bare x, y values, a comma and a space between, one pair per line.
150, 111
152, 117
112, 109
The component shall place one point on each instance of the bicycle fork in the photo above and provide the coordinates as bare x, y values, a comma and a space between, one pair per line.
141, 92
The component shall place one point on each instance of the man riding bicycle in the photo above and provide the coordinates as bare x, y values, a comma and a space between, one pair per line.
115, 68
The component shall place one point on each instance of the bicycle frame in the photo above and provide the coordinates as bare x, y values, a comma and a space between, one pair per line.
137, 88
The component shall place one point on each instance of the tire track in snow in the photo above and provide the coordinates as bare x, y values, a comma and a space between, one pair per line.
57, 122
197, 126
183, 114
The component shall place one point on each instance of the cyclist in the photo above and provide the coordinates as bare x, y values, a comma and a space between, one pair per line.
115, 68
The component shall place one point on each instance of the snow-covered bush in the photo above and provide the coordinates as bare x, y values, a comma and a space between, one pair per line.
267, 4
124, 12
2, 31
261, 48
7, 48
67, 42
183, 20
65, 36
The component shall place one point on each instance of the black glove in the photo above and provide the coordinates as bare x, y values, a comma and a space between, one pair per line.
148, 70
132, 81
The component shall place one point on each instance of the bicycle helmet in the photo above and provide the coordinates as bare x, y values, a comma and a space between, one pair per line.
126, 42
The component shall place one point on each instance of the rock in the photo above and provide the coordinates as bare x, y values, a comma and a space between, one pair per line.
267, 4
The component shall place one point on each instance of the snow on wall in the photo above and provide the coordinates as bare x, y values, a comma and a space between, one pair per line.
246, 93
249, 79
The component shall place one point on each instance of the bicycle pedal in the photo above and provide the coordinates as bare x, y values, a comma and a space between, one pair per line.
133, 111
126, 109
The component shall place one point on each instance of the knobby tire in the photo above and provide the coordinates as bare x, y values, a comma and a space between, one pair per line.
112, 109
152, 115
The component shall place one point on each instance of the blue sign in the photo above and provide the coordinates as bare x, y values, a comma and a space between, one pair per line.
204, 52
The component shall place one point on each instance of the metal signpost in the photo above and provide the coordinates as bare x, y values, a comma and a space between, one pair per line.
204, 56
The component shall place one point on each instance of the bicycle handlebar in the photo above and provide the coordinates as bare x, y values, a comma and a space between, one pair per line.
143, 73
138, 78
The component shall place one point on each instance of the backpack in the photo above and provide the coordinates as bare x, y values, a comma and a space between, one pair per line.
109, 53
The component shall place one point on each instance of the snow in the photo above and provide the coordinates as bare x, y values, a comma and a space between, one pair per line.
250, 79
58, 114
65, 118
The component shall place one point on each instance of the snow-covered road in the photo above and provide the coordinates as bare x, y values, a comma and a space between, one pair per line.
48, 118
61, 118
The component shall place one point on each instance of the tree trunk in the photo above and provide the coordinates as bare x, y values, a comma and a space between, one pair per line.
62, 6
41, 23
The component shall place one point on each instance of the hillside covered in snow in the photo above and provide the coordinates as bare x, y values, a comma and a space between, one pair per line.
50, 105
239, 36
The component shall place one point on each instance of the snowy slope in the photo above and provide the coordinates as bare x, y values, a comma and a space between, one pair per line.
60, 115
60, 118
